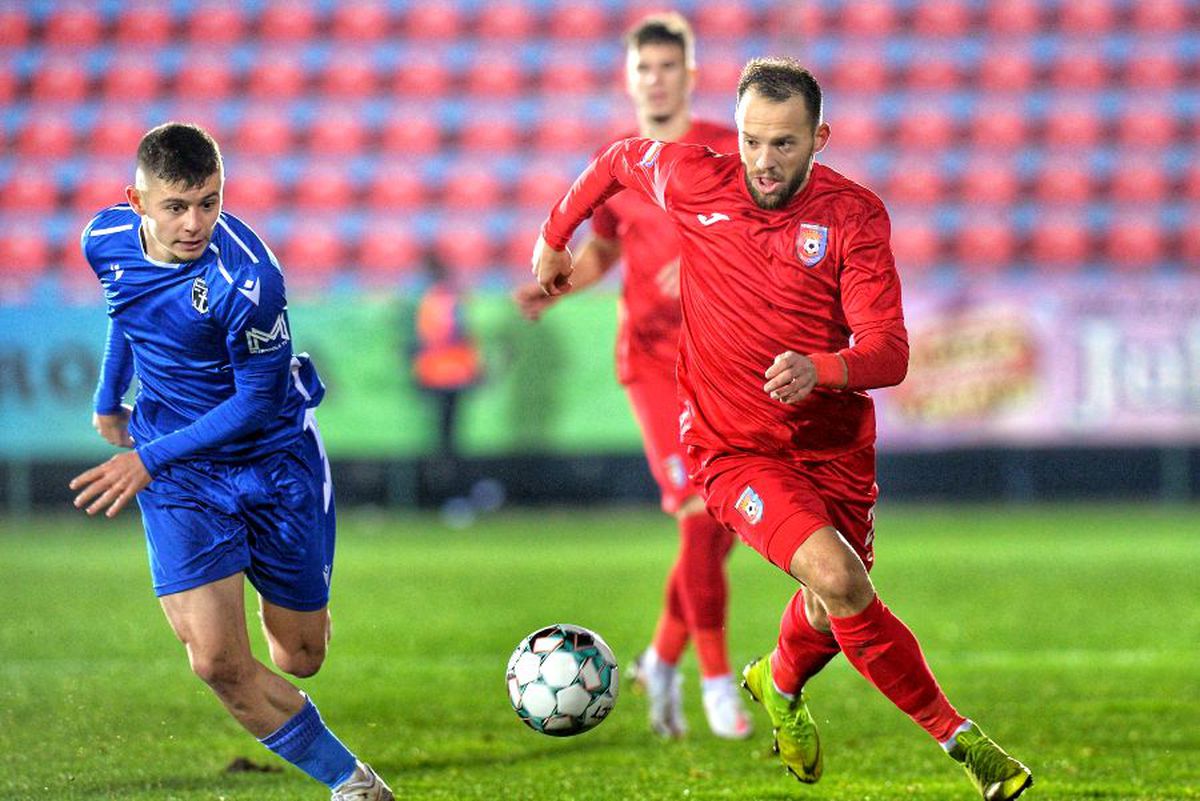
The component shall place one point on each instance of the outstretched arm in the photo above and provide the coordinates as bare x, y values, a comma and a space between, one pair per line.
595, 259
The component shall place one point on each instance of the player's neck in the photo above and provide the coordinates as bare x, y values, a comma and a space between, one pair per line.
666, 130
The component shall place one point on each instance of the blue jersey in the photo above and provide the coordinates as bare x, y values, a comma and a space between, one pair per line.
209, 341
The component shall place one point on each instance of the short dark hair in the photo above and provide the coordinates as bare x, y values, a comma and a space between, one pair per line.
666, 28
179, 153
779, 80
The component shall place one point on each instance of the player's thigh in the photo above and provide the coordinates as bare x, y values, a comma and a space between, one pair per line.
295, 631
211, 621
655, 405
289, 508
771, 504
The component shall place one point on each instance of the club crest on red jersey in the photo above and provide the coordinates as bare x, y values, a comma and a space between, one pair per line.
811, 243
750, 505
651, 155
676, 472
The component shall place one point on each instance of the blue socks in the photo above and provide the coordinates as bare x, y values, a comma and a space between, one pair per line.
307, 743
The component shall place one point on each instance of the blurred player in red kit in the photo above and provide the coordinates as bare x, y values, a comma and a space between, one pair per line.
660, 70
783, 261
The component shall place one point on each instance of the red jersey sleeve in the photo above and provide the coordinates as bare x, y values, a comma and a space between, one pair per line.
870, 290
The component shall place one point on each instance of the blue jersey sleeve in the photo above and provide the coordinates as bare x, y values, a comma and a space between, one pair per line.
116, 371
254, 314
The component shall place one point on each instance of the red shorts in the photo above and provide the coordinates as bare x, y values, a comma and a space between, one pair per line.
656, 407
775, 504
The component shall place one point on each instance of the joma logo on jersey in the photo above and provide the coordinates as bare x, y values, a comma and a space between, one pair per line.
750, 505
811, 243
200, 295
267, 341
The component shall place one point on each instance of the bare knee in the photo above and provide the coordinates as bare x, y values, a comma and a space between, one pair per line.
224, 673
301, 662
814, 610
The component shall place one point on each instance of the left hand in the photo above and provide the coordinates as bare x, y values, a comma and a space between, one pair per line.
110, 486
790, 378
667, 279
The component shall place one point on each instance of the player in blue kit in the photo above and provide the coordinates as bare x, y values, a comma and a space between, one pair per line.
225, 458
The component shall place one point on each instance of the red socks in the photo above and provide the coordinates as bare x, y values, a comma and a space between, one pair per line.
883, 649
801, 651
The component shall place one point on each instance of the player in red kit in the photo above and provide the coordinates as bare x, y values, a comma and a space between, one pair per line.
660, 66
783, 263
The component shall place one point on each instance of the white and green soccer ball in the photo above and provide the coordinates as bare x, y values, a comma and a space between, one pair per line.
562, 680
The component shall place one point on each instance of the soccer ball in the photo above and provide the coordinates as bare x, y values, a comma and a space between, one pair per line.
562, 680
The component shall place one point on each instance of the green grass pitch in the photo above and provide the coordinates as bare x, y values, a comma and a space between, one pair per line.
1072, 634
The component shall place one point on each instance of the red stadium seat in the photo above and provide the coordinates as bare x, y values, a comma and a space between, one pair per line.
426, 76
1087, 16
719, 74
856, 129
362, 21
945, 18
9, 87
60, 80
933, 74
1191, 182
1080, 70
1073, 127
469, 186
792, 21
724, 19
506, 21
860, 71
517, 247
586, 19
14, 27
571, 75
73, 26
99, 187
490, 135
1147, 126
116, 134
410, 134
1064, 183
144, 25
216, 23
1189, 245
541, 185
496, 75
999, 127
387, 252
28, 190
989, 182
251, 189
926, 127
464, 247
1153, 69
24, 254
337, 132
866, 18
323, 188
1161, 16
986, 246
277, 76
349, 76
566, 134
1140, 181
916, 245
396, 188
1015, 17
433, 21
205, 74
1135, 243
263, 132
915, 183
46, 137
313, 254
1007, 69
293, 21
1060, 242
132, 80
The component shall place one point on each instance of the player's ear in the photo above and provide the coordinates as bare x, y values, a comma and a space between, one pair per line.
135, 200
821, 138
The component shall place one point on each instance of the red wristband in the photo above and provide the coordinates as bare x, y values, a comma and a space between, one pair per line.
831, 370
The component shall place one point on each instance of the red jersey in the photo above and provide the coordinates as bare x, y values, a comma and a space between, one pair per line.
648, 329
758, 282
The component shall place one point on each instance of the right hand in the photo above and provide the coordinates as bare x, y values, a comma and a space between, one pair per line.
552, 268
114, 428
532, 302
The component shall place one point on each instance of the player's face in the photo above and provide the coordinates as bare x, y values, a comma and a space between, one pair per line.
777, 142
177, 221
658, 80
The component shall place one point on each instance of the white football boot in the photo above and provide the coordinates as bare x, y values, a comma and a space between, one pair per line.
727, 716
363, 785
661, 683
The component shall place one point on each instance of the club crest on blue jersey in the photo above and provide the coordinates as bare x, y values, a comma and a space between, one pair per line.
676, 473
750, 505
200, 295
811, 243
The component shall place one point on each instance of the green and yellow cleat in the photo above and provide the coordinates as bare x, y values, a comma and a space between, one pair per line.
796, 738
996, 775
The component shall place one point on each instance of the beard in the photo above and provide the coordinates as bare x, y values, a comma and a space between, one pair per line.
780, 197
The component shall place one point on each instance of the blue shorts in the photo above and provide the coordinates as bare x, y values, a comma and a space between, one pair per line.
272, 517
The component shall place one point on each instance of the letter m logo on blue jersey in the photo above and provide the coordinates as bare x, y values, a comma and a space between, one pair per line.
267, 341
